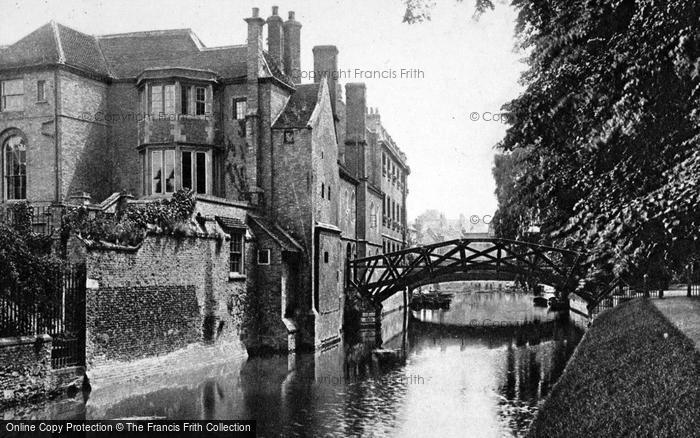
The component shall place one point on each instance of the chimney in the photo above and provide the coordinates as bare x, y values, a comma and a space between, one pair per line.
254, 63
373, 119
292, 48
356, 110
326, 64
275, 36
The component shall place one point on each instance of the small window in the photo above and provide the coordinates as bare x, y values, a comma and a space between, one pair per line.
323, 190
240, 106
41, 91
263, 256
187, 170
289, 136
156, 99
329, 192
325, 257
236, 252
11, 95
185, 99
200, 101
201, 172
169, 99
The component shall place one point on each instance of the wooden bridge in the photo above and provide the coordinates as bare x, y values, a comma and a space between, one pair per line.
379, 277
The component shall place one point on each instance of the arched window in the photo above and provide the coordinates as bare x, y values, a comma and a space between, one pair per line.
15, 155
372, 215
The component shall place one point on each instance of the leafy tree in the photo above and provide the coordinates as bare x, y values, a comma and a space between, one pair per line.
603, 141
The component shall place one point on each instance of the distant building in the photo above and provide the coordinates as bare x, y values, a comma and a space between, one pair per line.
149, 113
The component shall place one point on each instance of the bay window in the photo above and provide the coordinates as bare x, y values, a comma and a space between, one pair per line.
171, 170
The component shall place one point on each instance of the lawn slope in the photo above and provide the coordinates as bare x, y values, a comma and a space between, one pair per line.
633, 374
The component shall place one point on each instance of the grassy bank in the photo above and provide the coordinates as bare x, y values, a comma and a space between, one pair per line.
633, 374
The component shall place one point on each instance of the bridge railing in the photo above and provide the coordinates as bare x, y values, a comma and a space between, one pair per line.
384, 274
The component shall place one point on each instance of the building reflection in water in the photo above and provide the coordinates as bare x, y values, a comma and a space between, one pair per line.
477, 369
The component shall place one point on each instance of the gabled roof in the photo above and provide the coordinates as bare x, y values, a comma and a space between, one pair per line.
124, 56
300, 107
286, 242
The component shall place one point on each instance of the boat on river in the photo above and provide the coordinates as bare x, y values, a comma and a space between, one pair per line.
540, 302
431, 300
557, 304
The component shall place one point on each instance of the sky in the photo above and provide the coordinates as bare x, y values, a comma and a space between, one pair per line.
444, 117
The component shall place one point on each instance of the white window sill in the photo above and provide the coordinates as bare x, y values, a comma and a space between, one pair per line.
236, 276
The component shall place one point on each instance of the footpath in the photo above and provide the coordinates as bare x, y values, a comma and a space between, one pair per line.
684, 313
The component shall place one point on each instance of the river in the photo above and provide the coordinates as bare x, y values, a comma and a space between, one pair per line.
479, 369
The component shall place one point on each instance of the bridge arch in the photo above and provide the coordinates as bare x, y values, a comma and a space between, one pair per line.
380, 276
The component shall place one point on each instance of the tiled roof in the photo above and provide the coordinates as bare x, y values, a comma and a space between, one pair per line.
286, 242
81, 50
230, 223
124, 56
39, 47
300, 107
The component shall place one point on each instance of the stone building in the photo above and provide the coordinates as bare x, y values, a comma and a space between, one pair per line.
294, 175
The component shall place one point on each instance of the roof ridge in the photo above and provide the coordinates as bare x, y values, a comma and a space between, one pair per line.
145, 33
57, 40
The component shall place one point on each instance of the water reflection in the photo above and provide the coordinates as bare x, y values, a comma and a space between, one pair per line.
460, 379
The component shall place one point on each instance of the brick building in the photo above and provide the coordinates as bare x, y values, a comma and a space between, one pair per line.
148, 113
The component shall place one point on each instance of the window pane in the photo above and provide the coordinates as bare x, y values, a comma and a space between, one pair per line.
239, 108
169, 171
200, 100
187, 170
157, 171
13, 103
156, 99
16, 168
169, 99
185, 100
201, 172
40, 91
13, 87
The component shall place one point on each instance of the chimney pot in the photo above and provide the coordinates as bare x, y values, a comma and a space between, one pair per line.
256, 12
291, 15
275, 10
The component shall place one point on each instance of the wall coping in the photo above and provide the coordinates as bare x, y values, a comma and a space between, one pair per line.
23, 340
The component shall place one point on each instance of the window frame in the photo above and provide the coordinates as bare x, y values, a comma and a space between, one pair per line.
41, 90
3, 96
239, 254
22, 176
197, 101
268, 256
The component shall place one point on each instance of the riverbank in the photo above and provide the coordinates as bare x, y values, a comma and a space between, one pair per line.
633, 374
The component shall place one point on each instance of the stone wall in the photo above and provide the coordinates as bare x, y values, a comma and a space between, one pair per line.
173, 290
25, 368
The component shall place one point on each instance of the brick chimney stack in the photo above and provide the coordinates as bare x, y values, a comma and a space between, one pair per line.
275, 36
254, 61
356, 133
292, 48
326, 64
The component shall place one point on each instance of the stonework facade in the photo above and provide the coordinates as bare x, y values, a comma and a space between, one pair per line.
299, 179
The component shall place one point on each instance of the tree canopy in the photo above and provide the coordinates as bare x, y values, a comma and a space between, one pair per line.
602, 148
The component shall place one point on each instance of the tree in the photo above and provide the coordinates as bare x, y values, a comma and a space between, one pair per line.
603, 142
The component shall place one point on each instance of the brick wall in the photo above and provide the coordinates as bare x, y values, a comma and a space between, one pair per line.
36, 122
124, 110
25, 368
187, 277
132, 322
85, 159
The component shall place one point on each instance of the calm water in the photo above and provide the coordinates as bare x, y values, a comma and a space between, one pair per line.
478, 369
